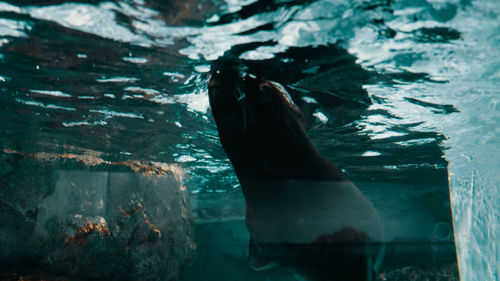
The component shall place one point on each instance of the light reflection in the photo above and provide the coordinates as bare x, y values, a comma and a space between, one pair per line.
174, 76
196, 102
137, 60
149, 92
99, 20
112, 113
185, 158
416, 142
42, 105
6, 7
86, 97
321, 117
236, 5
84, 123
51, 93
371, 153
117, 79
13, 28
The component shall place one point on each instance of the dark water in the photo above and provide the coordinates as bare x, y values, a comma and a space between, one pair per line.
382, 83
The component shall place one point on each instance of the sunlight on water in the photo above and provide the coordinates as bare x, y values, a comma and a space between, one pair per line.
99, 20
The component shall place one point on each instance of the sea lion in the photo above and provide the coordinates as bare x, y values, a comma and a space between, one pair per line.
301, 211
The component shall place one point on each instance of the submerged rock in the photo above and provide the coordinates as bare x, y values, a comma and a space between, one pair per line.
82, 217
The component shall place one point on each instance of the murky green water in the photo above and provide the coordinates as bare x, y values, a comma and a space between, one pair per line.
419, 81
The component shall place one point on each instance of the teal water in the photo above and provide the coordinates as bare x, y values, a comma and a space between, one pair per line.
128, 79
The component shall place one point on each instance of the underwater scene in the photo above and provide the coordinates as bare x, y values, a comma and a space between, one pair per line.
249, 140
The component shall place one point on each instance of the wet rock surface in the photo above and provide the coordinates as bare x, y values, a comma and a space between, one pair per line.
78, 217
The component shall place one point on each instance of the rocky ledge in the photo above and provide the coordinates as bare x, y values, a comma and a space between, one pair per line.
78, 217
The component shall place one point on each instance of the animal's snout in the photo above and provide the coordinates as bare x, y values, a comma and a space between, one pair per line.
266, 93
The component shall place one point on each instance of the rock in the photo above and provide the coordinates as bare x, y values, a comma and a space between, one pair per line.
86, 218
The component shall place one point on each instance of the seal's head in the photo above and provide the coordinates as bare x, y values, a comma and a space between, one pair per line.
242, 102
260, 127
